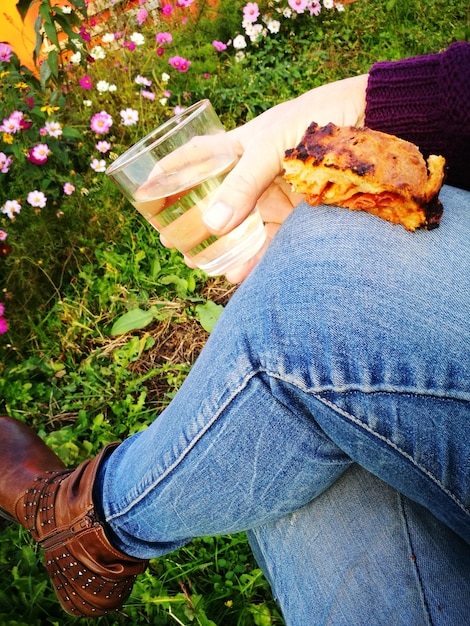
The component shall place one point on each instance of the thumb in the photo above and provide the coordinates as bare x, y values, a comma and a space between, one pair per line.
238, 194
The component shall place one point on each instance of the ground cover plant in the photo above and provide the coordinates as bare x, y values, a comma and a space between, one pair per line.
99, 324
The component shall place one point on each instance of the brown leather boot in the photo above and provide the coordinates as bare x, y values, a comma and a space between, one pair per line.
55, 504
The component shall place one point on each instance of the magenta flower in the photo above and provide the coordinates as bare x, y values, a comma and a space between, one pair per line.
86, 82
167, 9
38, 154
142, 15
3, 325
68, 189
250, 12
5, 163
180, 63
84, 34
5, 52
130, 45
100, 123
163, 38
219, 45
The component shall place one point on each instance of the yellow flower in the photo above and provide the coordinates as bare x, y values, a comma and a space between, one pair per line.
7, 138
50, 109
21, 85
4, 73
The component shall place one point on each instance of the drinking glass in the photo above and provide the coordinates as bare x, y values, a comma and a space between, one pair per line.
171, 176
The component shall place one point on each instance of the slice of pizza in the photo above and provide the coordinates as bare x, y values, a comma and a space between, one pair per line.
367, 170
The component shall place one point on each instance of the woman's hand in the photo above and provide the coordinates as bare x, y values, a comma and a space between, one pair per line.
257, 180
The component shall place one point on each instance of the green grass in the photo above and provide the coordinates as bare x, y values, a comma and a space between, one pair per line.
67, 282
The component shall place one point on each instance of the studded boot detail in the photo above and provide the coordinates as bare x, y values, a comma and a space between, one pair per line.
90, 577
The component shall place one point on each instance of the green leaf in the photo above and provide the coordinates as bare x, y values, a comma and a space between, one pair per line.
132, 320
23, 7
45, 73
208, 314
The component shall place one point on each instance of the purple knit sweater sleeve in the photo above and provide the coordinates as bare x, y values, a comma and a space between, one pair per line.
426, 100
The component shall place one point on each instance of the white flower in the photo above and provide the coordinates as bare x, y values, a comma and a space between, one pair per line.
76, 58
67, 10
78, 44
239, 42
339, 6
328, 4
87, 103
287, 12
273, 26
165, 77
102, 86
141, 80
98, 53
54, 129
129, 117
11, 207
138, 39
37, 198
239, 56
99, 165
163, 101
107, 38
112, 88
255, 32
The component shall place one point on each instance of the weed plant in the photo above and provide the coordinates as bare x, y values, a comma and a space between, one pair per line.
103, 322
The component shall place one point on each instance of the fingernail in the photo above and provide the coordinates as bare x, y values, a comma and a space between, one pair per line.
217, 216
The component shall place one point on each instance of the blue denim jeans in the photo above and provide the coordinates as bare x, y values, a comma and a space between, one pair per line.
348, 344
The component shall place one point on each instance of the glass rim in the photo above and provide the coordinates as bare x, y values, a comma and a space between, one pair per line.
163, 131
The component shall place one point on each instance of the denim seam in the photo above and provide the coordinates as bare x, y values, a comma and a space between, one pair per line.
393, 445
413, 558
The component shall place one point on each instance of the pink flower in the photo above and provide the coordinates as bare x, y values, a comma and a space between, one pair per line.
298, 6
207, 75
167, 93
103, 146
37, 198
5, 163
3, 325
160, 51
2, 309
5, 52
250, 12
163, 38
219, 45
181, 64
3, 236
142, 15
86, 82
38, 154
100, 123
69, 189
167, 9
148, 95
11, 125
178, 109
315, 7
184, 3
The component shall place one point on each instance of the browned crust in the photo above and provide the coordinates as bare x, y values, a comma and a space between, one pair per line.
367, 170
